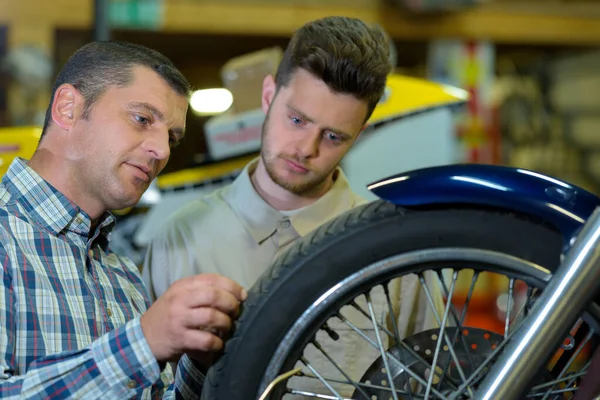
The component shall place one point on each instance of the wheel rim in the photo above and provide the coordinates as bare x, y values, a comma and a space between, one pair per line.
381, 273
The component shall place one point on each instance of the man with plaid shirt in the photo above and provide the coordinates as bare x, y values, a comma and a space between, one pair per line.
75, 319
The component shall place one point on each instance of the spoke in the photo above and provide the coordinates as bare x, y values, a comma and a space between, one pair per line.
441, 334
522, 312
511, 288
531, 298
323, 381
568, 379
416, 355
395, 327
363, 385
390, 355
315, 395
380, 344
557, 391
529, 295
571, 359
477, 376
462, 318
336, 365
447, 293
410, 363
446, 338
458, 323
574, 377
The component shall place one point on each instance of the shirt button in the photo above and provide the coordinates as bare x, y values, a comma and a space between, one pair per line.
131, 385
109, 312
285, 223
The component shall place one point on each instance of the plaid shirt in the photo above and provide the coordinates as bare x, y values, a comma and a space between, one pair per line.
69, 307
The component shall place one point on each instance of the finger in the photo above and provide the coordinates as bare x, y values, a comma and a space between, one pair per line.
213, 297
208, 318
222, 282
200, 340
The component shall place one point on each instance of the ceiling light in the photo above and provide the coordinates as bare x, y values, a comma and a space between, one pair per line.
211, 101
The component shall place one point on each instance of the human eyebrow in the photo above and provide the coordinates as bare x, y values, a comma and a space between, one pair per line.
179, 132
344, 135
148, 108
300, 114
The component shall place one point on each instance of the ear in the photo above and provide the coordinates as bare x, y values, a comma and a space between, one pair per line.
268, 92
66, 106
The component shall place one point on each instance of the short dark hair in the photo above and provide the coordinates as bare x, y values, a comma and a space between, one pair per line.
98, 65
350, 56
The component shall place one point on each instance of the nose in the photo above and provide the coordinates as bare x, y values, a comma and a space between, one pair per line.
158, 146
307, 145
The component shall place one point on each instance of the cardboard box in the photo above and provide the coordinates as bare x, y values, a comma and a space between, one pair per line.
231, 135
243, 76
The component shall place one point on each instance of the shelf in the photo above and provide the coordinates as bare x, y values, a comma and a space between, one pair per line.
496, 22
493, 23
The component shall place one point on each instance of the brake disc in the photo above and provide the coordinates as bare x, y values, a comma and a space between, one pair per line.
472, 346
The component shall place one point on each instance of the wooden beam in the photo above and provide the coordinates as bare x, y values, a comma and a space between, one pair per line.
498, 24
249, 19
57, 13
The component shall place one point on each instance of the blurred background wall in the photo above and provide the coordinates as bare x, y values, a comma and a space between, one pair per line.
531, 69
530, 65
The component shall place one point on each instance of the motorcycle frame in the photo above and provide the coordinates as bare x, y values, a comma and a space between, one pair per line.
573, 211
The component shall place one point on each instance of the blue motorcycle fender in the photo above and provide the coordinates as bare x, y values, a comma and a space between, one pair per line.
561, 204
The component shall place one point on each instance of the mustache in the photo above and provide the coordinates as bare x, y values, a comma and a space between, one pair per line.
295, 160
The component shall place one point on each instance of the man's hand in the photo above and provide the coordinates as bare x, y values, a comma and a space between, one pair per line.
192, 316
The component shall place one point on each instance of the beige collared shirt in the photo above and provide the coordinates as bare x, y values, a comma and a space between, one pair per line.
235, 233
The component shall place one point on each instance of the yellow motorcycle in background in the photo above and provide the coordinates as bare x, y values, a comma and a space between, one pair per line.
404, 97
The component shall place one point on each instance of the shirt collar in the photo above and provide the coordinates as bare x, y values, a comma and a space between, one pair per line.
337, 200
50, 208
257, 216
261, 220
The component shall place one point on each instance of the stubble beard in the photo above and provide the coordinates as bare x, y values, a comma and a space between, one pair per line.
269, 160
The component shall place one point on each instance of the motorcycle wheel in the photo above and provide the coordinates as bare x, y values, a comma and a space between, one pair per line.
346, 245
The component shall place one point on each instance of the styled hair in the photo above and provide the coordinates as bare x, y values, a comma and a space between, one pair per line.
98, 65
350, 56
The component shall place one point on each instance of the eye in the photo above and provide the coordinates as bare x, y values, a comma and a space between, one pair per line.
173, 141
333, 137
140, 119
296, 120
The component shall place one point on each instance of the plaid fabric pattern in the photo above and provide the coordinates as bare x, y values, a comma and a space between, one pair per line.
70, 308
